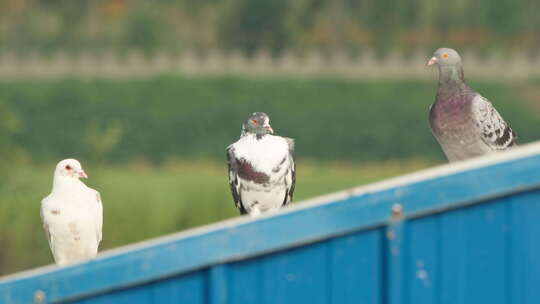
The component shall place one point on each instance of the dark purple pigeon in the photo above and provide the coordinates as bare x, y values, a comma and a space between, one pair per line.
464, 123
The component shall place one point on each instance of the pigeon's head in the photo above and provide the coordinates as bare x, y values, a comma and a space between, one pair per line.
445, 57
70, 168
257, 123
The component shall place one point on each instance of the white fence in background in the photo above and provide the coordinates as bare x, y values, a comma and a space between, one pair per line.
366, 66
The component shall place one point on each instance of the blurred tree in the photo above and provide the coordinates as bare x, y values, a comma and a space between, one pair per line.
384, 25
113, 7
143, 29
252, 24
277, 25
72, 16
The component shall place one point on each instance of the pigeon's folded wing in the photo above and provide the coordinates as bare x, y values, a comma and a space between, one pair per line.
46, 228
290, 178
234, 182
99, 217
494, 131
48, 216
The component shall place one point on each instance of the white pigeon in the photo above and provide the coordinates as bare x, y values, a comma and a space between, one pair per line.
261, 167
72, 215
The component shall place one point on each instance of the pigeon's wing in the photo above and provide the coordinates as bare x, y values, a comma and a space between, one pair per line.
494, 131
234, 182
46, 227
95, 212
48, 215
99, 217
290, 175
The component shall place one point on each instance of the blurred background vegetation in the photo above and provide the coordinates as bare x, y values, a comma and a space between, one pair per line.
278, 25
154, 146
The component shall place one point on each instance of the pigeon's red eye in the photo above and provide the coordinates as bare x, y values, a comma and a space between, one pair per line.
445, 56
254, 121
68, 167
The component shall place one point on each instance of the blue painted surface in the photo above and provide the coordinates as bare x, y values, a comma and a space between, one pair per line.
395, 253
468, 235
355, 265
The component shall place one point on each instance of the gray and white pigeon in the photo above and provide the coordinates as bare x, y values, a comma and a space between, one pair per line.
72, 215
465, 124
261, 167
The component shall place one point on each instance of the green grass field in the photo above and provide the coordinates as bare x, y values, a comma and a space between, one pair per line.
143, 201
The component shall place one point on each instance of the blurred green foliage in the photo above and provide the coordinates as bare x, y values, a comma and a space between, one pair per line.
100, 142
9, 126
277, 25
176, 117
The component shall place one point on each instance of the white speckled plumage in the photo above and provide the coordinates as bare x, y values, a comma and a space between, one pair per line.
263, 153
491, 125
261, 171
72, 215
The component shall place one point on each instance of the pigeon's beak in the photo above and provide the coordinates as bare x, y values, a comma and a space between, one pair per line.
82, 174
432, 61
269, 128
